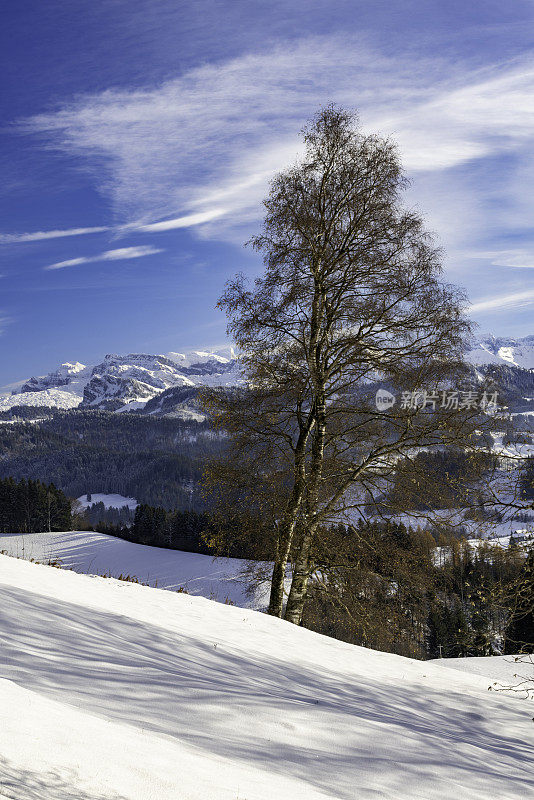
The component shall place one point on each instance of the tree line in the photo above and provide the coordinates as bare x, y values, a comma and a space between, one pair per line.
406, 591
28, 506
157, 527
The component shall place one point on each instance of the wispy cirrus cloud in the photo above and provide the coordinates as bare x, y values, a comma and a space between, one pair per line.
119, 254
38, 236
186, 221
203, 146
504, 302
519, 258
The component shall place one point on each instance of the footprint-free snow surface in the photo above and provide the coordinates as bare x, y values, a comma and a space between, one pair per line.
99, 554
112, 690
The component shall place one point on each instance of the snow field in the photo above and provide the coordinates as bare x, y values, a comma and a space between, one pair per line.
115, 690
99, 554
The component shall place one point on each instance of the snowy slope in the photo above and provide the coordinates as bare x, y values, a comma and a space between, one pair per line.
53, 398
504, 351
98, 554
74, 376
114, 690
499, 671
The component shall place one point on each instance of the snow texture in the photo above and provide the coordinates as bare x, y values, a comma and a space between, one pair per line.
52, 398
88, 552
114, 690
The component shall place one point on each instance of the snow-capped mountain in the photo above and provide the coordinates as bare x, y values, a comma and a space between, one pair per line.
67, 374
502, 351
131, 382
125, 382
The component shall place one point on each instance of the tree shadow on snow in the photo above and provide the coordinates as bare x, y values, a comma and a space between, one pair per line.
297, 721
17, 783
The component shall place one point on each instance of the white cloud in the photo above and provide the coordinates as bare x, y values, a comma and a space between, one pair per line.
504, 302
36, 236
492, 112
119, 254
187, 221
520, 258
200, 149
212, 138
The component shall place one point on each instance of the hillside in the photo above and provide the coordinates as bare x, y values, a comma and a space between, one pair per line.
155, 459
112, 690
503, 351
88, 552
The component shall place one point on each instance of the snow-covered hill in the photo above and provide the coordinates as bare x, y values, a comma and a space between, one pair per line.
124, 381
87, 552
114, 691
499, 671
503, 351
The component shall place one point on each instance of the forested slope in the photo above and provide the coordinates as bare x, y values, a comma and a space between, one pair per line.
155, 459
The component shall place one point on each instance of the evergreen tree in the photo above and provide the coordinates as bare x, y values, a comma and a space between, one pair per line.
30, 507
520, 631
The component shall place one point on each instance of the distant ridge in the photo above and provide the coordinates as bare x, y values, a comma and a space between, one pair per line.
124, 382
133, 381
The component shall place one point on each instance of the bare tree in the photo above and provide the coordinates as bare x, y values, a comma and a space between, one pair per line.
351, 298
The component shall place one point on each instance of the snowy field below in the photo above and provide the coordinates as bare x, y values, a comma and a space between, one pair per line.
115, 691
98, 554
109, 501
499, 671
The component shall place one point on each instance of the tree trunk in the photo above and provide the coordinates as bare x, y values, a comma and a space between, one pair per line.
285, 537
301, 573
301, 576
276, 600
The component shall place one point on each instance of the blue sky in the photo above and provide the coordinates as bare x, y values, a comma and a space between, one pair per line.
139, 137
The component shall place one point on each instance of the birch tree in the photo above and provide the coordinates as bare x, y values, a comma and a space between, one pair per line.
351, 297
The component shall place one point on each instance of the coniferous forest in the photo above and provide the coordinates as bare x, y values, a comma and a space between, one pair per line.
157, 527
154, 459
28, 506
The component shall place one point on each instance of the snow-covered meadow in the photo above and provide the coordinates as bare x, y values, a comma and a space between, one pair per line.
108, 500
112, 690
98, 554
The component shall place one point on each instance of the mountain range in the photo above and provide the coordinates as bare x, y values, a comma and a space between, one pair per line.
126, 383
169, 383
